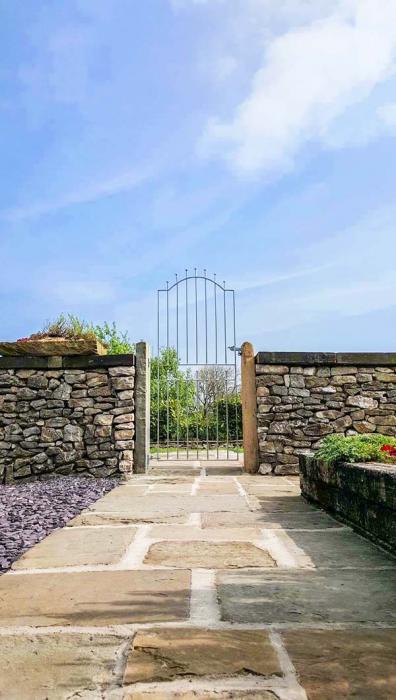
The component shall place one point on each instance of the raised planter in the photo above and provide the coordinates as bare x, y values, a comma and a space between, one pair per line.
47, 347
361, 494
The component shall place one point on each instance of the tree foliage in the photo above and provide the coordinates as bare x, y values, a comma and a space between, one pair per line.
200, 407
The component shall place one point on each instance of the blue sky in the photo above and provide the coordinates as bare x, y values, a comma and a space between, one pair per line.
253, 138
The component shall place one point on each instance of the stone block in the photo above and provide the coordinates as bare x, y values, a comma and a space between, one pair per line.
94, 598
357, 663
57, 667
166, 654
362, 401
208, 555
83, 547
272, 369
72, 433
306, 596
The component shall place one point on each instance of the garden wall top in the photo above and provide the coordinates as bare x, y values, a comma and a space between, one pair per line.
305, 359
67, 362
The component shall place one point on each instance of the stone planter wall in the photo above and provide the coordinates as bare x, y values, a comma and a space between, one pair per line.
66, 415
302, 397
363, 495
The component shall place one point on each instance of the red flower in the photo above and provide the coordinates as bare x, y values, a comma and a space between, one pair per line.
391, 449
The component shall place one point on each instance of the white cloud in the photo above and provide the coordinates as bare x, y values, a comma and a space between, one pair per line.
310, 76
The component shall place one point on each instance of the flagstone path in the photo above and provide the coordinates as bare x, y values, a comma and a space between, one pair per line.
198, 582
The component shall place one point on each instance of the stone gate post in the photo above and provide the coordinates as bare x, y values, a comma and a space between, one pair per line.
142, 408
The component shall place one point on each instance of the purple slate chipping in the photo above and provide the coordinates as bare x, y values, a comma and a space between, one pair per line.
29, 512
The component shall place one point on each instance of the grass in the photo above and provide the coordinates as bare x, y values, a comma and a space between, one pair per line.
73, 328
191, 448
70, 327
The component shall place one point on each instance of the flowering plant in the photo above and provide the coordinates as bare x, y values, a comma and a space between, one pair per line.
390, 451
372, 447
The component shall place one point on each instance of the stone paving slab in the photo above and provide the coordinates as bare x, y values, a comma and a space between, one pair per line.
340, 548
213, 694
69, 547
336, 664
57, 667
94, 598
165, 504
207, 555
165, 487
223, 470
174, 471
210, 534
284, 504
124, 518
217, 487
268, 489
354, 584
306, 596
315, 520
166, 654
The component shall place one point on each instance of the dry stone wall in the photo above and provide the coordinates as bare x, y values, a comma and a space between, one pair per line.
66, 415
302, 397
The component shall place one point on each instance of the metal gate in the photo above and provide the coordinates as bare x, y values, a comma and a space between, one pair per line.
195, 409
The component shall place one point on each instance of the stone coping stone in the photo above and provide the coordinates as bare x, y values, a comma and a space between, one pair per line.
307, 596
168, 654
208, 555
336, 664
82, 547
311, 359
57, 666
94, 598
67, 362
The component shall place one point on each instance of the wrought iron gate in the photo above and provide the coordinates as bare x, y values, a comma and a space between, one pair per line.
196, 413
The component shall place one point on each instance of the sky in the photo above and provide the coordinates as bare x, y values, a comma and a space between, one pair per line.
255, 139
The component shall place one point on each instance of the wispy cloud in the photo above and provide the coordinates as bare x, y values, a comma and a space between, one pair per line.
86, 194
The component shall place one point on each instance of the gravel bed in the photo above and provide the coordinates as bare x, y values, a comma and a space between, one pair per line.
29, 512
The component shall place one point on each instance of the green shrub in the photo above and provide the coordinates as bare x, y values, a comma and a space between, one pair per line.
355, 448
70, 326
117, 343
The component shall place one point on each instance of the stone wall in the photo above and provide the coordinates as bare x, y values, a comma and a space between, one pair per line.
302, 397
364, 495
66, 415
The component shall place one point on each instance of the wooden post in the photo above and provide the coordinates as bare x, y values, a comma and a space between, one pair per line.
249, 409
